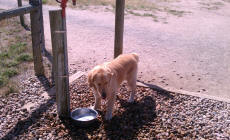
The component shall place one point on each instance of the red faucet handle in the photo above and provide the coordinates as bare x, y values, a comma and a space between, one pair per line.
74, 2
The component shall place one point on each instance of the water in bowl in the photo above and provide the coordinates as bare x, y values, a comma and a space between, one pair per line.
84, 118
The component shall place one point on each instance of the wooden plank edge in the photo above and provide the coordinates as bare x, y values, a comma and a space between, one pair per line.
72, 78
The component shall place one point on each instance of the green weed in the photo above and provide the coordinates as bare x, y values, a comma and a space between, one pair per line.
11, 57
24, 57
9, 72
44, 1
3, 80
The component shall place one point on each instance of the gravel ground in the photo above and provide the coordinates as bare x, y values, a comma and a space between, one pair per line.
154, 115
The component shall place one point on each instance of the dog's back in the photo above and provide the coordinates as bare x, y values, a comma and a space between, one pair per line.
124, 65
136, 56
128, 57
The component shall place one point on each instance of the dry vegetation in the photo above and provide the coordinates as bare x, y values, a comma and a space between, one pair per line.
145, 8
130, 4
15, 54
16, 63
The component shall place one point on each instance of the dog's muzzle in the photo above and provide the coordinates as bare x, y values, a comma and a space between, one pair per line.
103, 95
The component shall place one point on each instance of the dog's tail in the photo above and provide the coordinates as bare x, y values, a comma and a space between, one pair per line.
136, 56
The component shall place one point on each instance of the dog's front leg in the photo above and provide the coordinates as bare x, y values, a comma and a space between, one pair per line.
97, 104
109, 107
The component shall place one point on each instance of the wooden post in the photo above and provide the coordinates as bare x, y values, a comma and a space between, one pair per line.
60, 61
36, 33
21, 16
119, 27
42, 30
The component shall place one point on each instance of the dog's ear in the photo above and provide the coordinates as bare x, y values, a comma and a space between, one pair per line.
90, 79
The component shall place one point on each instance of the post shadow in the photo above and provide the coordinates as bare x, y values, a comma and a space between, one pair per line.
135, 116
47, 54
22, 126
159, 90
79, 132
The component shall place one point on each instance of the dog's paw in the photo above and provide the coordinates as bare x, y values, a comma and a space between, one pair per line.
95, 107
131, 100
108, 117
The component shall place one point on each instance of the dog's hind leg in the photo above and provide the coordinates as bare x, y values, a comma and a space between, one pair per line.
132, 85
132, 94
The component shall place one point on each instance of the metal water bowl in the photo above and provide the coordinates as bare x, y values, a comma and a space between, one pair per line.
84, 116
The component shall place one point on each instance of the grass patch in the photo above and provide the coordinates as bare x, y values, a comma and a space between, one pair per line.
11, 57
212, 5
3, 80
24, 57
143, 15
130, 4
11, 63
44, 1
146, 8
10, 88
133, 13
4, 55
9, 72
176, 12
15, 51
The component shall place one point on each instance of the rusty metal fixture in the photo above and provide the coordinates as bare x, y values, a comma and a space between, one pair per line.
63, 5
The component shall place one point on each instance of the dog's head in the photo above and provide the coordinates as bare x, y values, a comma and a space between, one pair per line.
99, 78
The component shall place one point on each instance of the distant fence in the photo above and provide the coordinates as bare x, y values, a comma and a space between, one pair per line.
34, 8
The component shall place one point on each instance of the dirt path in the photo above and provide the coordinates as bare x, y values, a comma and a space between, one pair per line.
189, 52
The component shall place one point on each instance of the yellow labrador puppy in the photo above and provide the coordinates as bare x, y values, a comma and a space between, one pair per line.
107, 77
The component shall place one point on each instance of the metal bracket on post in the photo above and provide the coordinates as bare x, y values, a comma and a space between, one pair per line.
63, 5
